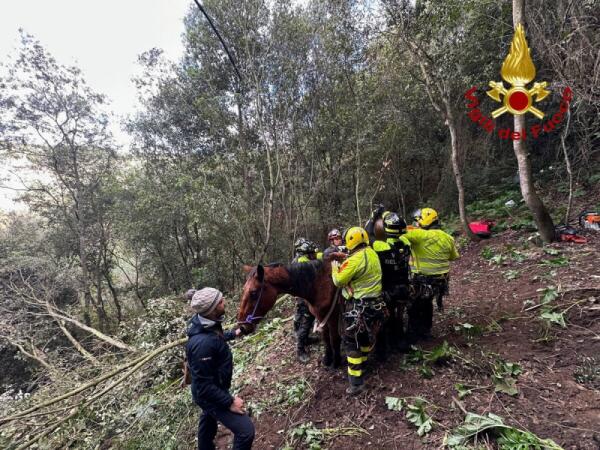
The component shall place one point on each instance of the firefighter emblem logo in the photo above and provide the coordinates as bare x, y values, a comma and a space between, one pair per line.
518, 70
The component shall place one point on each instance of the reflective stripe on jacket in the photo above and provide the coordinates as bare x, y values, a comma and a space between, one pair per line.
359, 275
431, 251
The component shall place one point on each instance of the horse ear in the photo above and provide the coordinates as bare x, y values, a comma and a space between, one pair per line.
260, 273
246, 268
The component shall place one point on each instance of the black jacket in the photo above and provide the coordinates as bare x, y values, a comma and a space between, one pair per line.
210, 363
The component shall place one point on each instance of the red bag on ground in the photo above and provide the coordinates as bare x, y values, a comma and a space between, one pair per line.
482, 228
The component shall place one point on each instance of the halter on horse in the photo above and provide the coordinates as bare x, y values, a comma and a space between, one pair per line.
310, 281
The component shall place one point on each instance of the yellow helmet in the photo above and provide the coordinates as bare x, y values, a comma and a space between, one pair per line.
426, 217
355, 236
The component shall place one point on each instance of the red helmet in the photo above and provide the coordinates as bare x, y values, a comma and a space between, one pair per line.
333, 234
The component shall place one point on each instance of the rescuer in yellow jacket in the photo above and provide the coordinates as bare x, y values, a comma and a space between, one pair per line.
431, 252
359, 277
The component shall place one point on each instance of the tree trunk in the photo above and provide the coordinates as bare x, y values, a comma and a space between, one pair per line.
448, 116
458, 176
542, 219
568, 167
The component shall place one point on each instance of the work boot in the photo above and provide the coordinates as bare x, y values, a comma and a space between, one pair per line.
302, 355
355, 389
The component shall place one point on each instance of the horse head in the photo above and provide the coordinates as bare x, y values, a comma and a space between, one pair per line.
258, 295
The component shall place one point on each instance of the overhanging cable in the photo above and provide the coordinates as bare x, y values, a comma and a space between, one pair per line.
212, 25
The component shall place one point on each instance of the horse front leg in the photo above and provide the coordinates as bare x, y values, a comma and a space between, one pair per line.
328, 357
335, 341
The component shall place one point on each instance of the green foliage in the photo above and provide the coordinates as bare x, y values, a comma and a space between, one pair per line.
509, 438
291, 394
415, 412
468, 330
487, 253
504, 377
560, 261
553, 317
426, 372
395, 403
549, 294
512, 274
310, 435
463, 390
442, 354
497, 259
551, 251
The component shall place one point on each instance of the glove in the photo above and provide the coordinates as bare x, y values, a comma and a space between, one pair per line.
338, 256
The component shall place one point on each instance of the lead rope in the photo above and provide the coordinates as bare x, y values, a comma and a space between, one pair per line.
318, 327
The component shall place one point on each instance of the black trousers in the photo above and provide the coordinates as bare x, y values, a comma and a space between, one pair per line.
420, 310
303, 322
240, 425
392, 335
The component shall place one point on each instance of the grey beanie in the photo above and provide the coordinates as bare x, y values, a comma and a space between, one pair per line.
190, 294
206, 300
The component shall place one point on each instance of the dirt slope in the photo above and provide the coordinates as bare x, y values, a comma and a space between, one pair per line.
486, 321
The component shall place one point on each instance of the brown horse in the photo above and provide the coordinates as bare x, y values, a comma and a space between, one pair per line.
310, 281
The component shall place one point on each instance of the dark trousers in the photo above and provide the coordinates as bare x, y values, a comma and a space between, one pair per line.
420, 317
303, 322
240, 425
420, 311
392, 334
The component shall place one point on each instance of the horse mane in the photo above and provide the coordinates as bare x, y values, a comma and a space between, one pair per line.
295, 277
303, 275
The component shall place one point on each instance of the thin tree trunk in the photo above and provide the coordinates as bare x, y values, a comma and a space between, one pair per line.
87, 355
568, 167
183, 255
33, 354
543, 221
113, 293
112, 341
454, 156
450, 122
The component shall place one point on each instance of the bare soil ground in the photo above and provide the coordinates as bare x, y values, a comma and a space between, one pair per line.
495, 288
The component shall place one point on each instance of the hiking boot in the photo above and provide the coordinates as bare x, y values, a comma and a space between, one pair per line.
302, 356
355, 389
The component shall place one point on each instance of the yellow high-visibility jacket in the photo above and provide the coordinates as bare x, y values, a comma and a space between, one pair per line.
305, 258
381, 246
359, 275
431, 251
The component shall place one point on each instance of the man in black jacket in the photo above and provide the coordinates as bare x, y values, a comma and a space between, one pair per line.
211, 366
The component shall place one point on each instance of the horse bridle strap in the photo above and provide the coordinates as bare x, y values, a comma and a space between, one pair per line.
250, 318
318, 327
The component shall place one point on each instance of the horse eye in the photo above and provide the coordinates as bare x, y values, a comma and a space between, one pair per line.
253, 295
